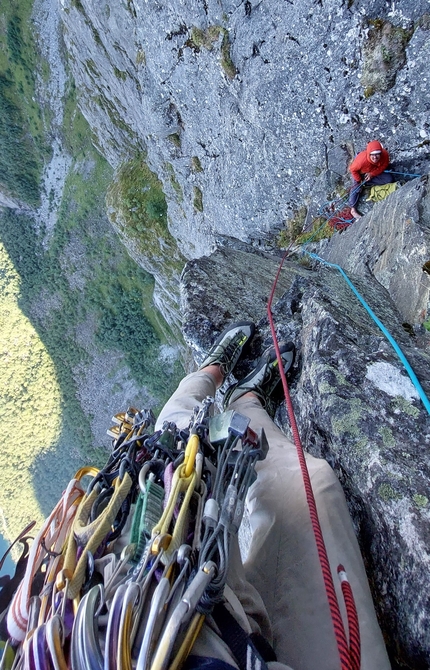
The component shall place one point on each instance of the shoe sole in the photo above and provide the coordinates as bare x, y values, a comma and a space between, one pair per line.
248, 329
256, 377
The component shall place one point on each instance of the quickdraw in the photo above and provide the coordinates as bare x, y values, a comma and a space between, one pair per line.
126, 571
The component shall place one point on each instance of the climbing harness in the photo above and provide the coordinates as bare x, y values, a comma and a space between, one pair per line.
124, 572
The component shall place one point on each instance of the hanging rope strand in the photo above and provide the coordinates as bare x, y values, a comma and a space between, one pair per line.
336, 617
352, 616
414, 379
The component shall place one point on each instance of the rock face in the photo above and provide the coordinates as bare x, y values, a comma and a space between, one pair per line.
7, 200
355, 404
205, 281
392, 243
248, 110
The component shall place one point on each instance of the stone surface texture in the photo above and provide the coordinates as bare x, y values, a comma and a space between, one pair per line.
392, 243
267, 96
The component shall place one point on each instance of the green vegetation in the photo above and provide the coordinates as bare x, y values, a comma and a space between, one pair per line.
348, 421
140, 210
175, 139
84, 274
388, 493
320, 230
293, 228
22, 140
207, 38
384, 54
420, 500
111, 110
405, 406
197, 199
226, 61
55, 288
204, 38
141, 57
293, 232
387, 436
175, 184
196, 165
91, 68
29, 393
120, 74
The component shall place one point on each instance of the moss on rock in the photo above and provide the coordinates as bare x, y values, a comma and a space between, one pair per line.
138, 207
206, 39
384, 54
198, 199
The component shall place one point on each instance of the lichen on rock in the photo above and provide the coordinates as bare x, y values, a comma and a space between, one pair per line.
384, 54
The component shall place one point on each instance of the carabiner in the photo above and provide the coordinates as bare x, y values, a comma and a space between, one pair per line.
153, 622
182, 614
190, 454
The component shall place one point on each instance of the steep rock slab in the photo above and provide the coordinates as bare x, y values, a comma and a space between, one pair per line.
392, 244
229, 285
355, 406
240, 106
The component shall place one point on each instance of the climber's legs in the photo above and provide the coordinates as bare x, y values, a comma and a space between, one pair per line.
355, 192
282, 562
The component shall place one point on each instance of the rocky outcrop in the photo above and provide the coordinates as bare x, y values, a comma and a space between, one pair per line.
246, 111
354, 401
7, 200
226, 286
392, 244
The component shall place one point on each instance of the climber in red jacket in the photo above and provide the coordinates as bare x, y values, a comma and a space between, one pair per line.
368, 168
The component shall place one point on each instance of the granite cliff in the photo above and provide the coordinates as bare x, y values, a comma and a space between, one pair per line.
247, 111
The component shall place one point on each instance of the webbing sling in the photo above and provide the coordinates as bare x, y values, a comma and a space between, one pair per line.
250, 651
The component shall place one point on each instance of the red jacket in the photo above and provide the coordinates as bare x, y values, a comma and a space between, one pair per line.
362, 164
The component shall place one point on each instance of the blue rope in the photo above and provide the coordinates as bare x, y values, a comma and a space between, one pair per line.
381, 326
338, 202
405, 174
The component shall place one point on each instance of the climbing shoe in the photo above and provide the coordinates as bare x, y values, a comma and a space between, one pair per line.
264, 380
229, 346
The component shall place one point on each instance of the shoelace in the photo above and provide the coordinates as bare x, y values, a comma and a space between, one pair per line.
230, 353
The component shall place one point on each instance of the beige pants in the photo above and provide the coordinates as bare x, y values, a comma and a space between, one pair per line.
282, 581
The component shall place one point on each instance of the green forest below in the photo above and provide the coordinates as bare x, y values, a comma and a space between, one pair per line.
52, 282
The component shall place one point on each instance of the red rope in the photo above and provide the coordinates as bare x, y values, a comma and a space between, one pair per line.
341, 220
338, 626
353, 625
